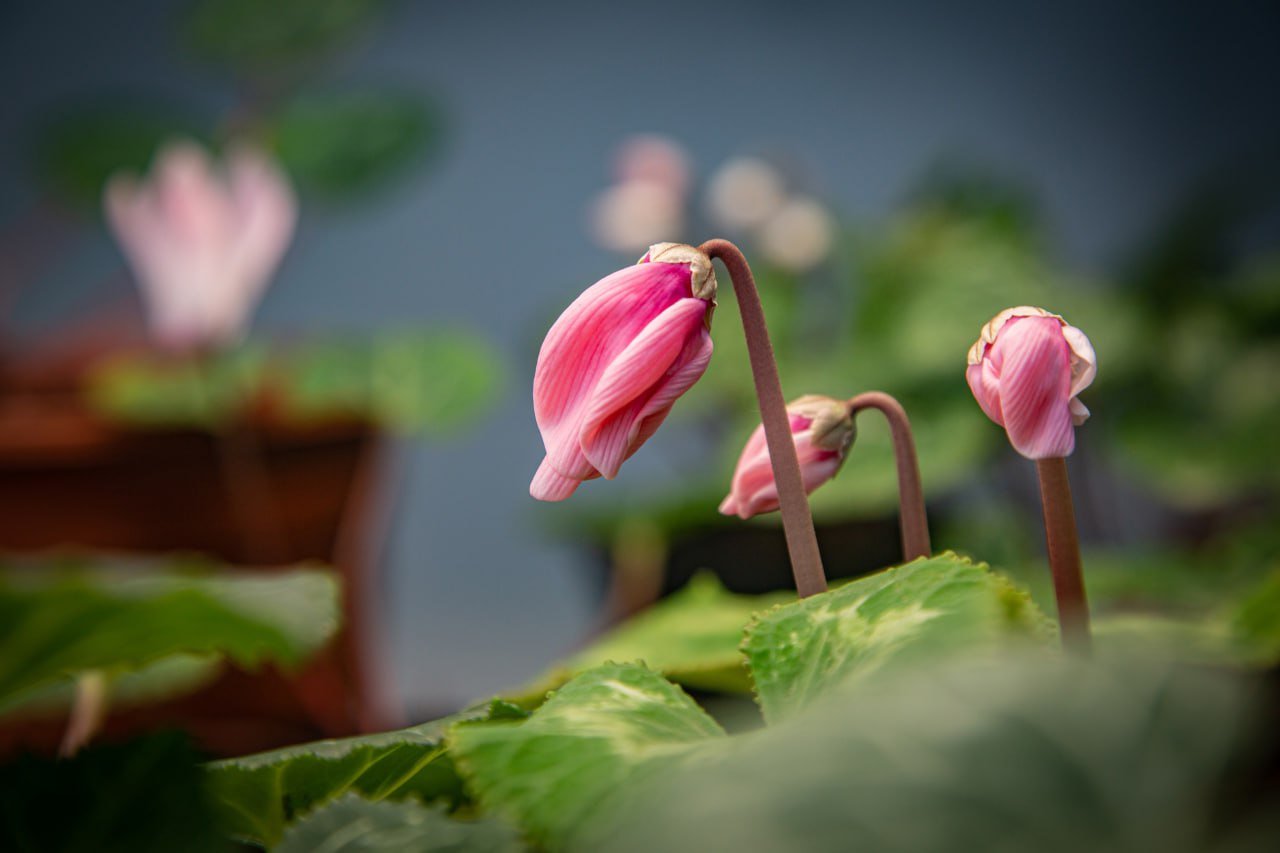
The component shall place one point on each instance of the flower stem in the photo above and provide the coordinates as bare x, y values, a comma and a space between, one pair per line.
797, 522
912, 519
1064, 554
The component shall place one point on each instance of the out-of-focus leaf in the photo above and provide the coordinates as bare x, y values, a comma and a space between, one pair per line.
78, 150
948, 442
1256, 623
1162, 582
258, 796
407, 382
926, 608
54, 624
146, 794
169, 676
1205, 640
356, 825
559, 774
253, 36
691, 637
928, 288
201, 393
340, 144
1034, 752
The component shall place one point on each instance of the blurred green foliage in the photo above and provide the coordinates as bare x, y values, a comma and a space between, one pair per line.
334, 142
254, 37
341, 144
81, 147
157, 622
407, 382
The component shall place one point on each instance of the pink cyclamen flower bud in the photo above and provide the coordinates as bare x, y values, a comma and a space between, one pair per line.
822, 429
1025, 370
202, 243
614, 363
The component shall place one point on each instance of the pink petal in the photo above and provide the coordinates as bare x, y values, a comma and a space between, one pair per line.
550, 485
266, 214
752, 474
646, 378
655, 410
984, 382
1035, 382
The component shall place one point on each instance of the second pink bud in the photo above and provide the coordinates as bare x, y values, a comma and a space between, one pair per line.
822, 429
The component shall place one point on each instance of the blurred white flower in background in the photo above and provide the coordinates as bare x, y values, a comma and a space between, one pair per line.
646, 205
743, 193
799, 236
747, 196
202, 242
632, 216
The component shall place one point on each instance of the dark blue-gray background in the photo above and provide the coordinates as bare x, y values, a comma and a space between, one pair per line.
1107, 111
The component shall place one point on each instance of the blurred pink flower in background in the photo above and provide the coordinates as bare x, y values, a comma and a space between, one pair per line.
646, 204
653, 159
1025, 370
202, 244
822, 429
614, 363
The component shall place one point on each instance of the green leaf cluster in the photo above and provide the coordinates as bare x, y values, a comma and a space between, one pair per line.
405, 382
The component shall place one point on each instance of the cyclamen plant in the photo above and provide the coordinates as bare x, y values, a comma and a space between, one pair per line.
617, 359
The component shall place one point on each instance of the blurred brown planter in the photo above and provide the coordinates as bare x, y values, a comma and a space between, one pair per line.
263, 492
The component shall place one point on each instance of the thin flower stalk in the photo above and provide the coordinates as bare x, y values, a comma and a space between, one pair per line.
912, 518
797, 521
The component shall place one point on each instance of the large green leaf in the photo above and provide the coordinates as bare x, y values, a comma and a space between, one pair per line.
259, 795
356, 825
57, 622
146, 794
253, 36
1008, 752
691, 637
926, 607
338, 144
559, 774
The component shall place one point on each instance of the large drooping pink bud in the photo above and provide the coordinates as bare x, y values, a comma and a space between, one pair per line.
1025, 370
614, 363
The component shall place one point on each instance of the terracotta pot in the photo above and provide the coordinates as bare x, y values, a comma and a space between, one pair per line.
261, 492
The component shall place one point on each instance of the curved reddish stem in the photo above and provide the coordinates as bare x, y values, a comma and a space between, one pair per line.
912, 519
797, 521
